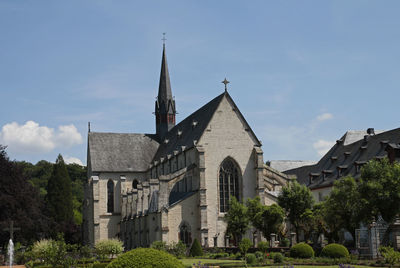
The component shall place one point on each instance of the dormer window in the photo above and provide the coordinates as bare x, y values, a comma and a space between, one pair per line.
358, 165
326, 173
194, 123
179, 133
341, 170
333, 159
346, 154
363, 147
313, 177
166, 141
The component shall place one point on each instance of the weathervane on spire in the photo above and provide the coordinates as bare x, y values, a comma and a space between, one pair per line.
225, 82
164, 39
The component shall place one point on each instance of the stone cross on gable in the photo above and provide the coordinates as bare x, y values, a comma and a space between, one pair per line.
11, 229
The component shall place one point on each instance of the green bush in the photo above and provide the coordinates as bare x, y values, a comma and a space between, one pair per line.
260, 254
284, 242
159, 245
390, 255
177, 249
278, 258
263, 246
301, 250
106, 248
196, 249
52, 252
335, 251
251, 258
40, 249
145, 257
244, 245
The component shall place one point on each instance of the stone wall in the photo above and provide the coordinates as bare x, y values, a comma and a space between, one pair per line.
226, 136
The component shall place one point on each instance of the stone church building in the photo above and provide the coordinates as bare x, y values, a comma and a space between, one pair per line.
175, 184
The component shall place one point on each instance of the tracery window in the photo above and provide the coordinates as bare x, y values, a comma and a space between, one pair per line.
228, 183
110, 196
184, 234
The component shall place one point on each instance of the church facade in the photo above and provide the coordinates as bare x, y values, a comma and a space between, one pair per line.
175, 184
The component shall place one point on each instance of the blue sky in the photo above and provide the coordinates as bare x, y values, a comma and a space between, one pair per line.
301, 72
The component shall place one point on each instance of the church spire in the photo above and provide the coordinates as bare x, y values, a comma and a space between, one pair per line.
165, 104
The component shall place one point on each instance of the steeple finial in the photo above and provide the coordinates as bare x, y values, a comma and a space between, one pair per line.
164, 39
225, 82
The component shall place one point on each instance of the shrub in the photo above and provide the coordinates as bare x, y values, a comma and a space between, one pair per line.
105, 248
301, 250
259, 254
263, 246
145, 257
40, 249
196, 249
159, 245
177, 249
52, 252
278, 258
251, 258
335, 251
390, 255
244, 245
284, 242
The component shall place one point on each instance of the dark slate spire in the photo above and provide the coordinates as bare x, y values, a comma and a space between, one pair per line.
165, 104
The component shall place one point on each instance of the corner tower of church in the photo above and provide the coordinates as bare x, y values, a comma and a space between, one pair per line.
165, 105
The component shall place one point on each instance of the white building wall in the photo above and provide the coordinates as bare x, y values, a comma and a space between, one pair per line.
226, 136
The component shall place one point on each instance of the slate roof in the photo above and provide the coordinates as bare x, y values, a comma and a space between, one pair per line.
120, 152
184, 133
283, 165
344, 158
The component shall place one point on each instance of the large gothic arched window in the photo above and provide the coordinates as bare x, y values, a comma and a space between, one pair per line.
228, 183
110, 196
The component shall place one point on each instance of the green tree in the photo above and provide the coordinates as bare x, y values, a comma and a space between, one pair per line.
237, 219
342, 207
244, 246
20, 202
267, 219
297, 200
379, 188
59, 195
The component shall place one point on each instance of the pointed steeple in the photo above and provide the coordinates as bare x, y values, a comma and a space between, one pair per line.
165, 105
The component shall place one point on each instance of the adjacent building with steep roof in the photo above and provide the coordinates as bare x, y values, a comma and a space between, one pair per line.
175, 184
346, 158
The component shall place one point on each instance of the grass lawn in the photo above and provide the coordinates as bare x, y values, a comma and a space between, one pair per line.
188, 262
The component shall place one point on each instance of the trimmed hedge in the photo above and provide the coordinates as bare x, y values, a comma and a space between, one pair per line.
196, 249
145, 257
335, 251
301, 250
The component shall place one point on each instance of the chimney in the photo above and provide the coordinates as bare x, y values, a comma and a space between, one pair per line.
371, 131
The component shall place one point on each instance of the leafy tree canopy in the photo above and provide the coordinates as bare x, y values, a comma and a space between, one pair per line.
296, 199
379, 188
237, 219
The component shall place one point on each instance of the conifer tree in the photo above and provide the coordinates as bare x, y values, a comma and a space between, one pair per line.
59, 195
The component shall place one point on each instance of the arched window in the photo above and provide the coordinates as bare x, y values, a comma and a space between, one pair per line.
110, 196
134, 184
184, 234
228, 183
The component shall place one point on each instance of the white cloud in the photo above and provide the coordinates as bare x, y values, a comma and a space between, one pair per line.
71, 160
324, 117
323, 146
68, 136
32, 138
